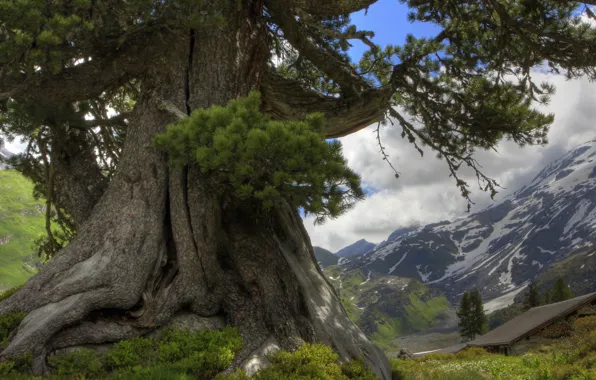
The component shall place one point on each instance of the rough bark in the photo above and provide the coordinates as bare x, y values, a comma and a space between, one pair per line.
79, 183
161, 241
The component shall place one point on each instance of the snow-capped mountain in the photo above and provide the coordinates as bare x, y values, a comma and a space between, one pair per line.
506, 245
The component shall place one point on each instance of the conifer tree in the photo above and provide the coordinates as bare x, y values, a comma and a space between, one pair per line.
464, 313
154, 231
532, 296
561, 291
479, 321
547, 296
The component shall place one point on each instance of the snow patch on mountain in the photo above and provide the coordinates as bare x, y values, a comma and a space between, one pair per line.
505, 245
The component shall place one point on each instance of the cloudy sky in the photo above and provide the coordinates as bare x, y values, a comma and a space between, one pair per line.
424, 193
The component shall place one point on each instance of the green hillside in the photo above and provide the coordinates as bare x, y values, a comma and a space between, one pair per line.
21, 222
387, 307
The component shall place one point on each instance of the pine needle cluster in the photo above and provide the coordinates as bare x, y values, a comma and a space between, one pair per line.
251, 157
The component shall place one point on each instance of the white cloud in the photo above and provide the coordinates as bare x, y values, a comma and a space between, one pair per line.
424, 193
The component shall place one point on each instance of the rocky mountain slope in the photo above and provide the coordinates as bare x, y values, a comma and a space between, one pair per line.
387, 307
358, 248
578, 270
324, 257
503, 247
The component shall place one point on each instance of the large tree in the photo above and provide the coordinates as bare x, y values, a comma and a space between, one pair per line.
90, 83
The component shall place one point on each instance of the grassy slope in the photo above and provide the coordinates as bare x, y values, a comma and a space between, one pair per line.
21, 222
386, 307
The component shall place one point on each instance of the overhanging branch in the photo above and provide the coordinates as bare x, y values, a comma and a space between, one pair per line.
83, 81
329, 8
288, 100
327, 61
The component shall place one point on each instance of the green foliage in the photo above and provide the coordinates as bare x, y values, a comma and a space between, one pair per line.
9, 322
83, 363
532, 297
252, 157
309, 361
129, 353
464, 315
176, 354
560, 291
585, 325
471, 352
472, 320
7, 293
172, 354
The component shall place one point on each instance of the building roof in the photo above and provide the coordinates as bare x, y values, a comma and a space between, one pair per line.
530, 321
447, 350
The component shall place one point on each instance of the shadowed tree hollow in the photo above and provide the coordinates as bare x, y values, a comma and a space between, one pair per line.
202, 223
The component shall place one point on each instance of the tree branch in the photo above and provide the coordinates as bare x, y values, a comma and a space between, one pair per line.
288, 100
86, 80
329, 8
327, 61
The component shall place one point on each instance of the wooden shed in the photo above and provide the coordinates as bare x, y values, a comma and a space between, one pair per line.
536, 326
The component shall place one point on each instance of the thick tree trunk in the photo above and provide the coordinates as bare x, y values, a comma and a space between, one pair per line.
78, 183
160, 242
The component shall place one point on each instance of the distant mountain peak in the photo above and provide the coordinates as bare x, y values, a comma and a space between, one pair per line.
503, 246
358, 248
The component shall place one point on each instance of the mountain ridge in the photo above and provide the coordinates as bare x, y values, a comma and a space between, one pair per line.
506, 245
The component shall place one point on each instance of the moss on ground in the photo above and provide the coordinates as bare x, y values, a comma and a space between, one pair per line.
178, 354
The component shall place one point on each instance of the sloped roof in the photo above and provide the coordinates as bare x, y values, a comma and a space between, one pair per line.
530, 321
447, 350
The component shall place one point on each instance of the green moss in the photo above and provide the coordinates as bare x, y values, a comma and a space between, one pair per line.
173, 354
9, 322
4, 295
83, 363
310, 361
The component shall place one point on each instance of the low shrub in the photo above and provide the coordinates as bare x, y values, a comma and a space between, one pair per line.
130, 353
471, 352
9, 322
7, 293
310, 361
83, 363
174, 354
585, 324
431, 357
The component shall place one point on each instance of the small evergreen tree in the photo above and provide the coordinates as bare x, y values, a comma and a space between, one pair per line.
561, 291
479, 320
472, 320
532, 297
464, 313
